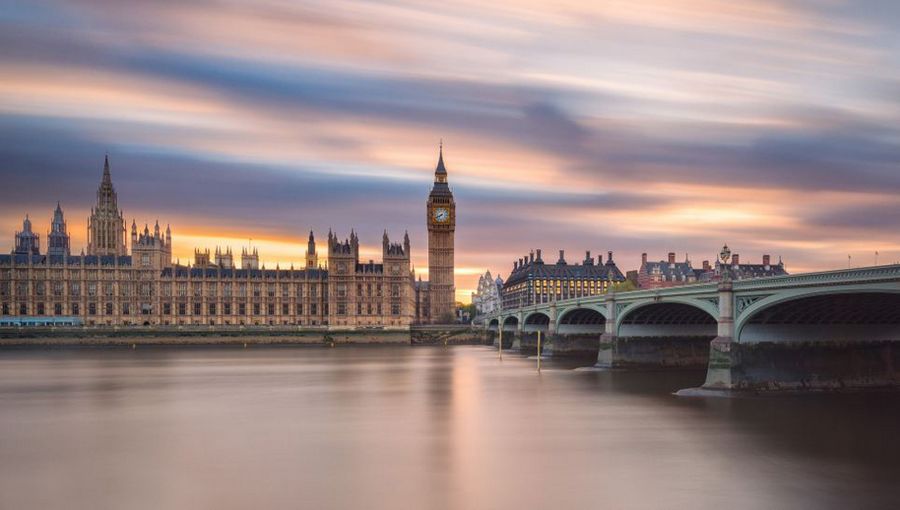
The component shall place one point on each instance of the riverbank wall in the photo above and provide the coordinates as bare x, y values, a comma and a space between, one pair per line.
181, 335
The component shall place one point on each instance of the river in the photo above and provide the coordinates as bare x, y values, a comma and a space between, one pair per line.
419, 428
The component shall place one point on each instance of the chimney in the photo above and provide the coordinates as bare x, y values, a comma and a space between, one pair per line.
706, 265
588, 260
766, 260
539, 255
531, 256
600, 259
609, 257
643, 259
562, 257
735, 259
671, 257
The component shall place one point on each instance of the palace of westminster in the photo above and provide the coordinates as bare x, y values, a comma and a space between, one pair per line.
107, 285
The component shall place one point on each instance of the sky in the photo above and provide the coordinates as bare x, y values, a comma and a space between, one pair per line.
625, 126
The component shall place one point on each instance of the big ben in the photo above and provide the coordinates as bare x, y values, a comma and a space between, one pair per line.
441, 211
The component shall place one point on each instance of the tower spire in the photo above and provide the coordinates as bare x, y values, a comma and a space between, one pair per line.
440, 172
106, 176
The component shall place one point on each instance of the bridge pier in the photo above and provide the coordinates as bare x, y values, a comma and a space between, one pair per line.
803, 366
653, 351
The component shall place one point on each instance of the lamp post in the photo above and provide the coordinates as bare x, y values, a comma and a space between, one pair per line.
724, 255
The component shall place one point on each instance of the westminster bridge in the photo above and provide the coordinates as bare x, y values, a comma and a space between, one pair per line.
825, 330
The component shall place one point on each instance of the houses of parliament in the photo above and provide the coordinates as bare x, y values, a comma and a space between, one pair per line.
108, 285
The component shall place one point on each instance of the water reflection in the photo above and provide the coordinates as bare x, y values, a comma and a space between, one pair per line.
442, 428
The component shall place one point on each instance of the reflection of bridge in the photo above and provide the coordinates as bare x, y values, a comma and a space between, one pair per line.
816, 330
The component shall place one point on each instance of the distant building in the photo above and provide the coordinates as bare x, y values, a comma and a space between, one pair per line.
533, 282
742, 271
665, 273
487, 297
109, 286
669, 273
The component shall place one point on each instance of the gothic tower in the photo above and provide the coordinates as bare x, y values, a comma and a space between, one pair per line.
441, 218
58, 238
27, 242
106, 227
312, 258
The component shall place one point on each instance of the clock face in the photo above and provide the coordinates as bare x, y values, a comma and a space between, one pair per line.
441, 215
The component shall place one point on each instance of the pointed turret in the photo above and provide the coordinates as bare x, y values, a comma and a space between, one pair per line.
106, 226
440, 172
107, 179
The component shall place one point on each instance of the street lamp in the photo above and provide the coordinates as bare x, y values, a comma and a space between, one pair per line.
724, 255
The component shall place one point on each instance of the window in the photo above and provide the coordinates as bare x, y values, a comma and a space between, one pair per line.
126, 308
341, 308
198, 309
5, 309
299, 308
358, 308
395, 309
285, 309
109, 308
76, 310
212, 308
226, 308
312, 309
92, 289
242, 309
271, 309
57, 309
92, 308
167, 308
40, 308
255, 308
182, 309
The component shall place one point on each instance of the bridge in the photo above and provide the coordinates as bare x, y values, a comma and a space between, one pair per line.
825, 330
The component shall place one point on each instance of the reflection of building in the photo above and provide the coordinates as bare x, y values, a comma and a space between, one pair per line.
487, 297
532, 281
110, 287
654, 275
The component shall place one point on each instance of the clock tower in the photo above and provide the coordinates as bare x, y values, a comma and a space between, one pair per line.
441, 218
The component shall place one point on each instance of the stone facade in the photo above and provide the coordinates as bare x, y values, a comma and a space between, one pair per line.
109, 286
487, 297
534, 282
441, 217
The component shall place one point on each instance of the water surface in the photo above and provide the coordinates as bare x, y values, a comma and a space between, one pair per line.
416, 428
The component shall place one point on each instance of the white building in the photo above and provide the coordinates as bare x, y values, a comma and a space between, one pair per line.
487, 298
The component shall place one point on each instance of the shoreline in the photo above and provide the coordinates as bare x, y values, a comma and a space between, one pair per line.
53, 337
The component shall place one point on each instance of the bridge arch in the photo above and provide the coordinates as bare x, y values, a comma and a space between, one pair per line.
536, 321
852, 313
510, 323
581, 319
668, 317
493, 324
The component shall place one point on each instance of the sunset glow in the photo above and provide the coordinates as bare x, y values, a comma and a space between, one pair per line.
630, 127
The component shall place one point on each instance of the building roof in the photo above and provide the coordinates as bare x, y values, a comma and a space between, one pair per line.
537, 269
675, 271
